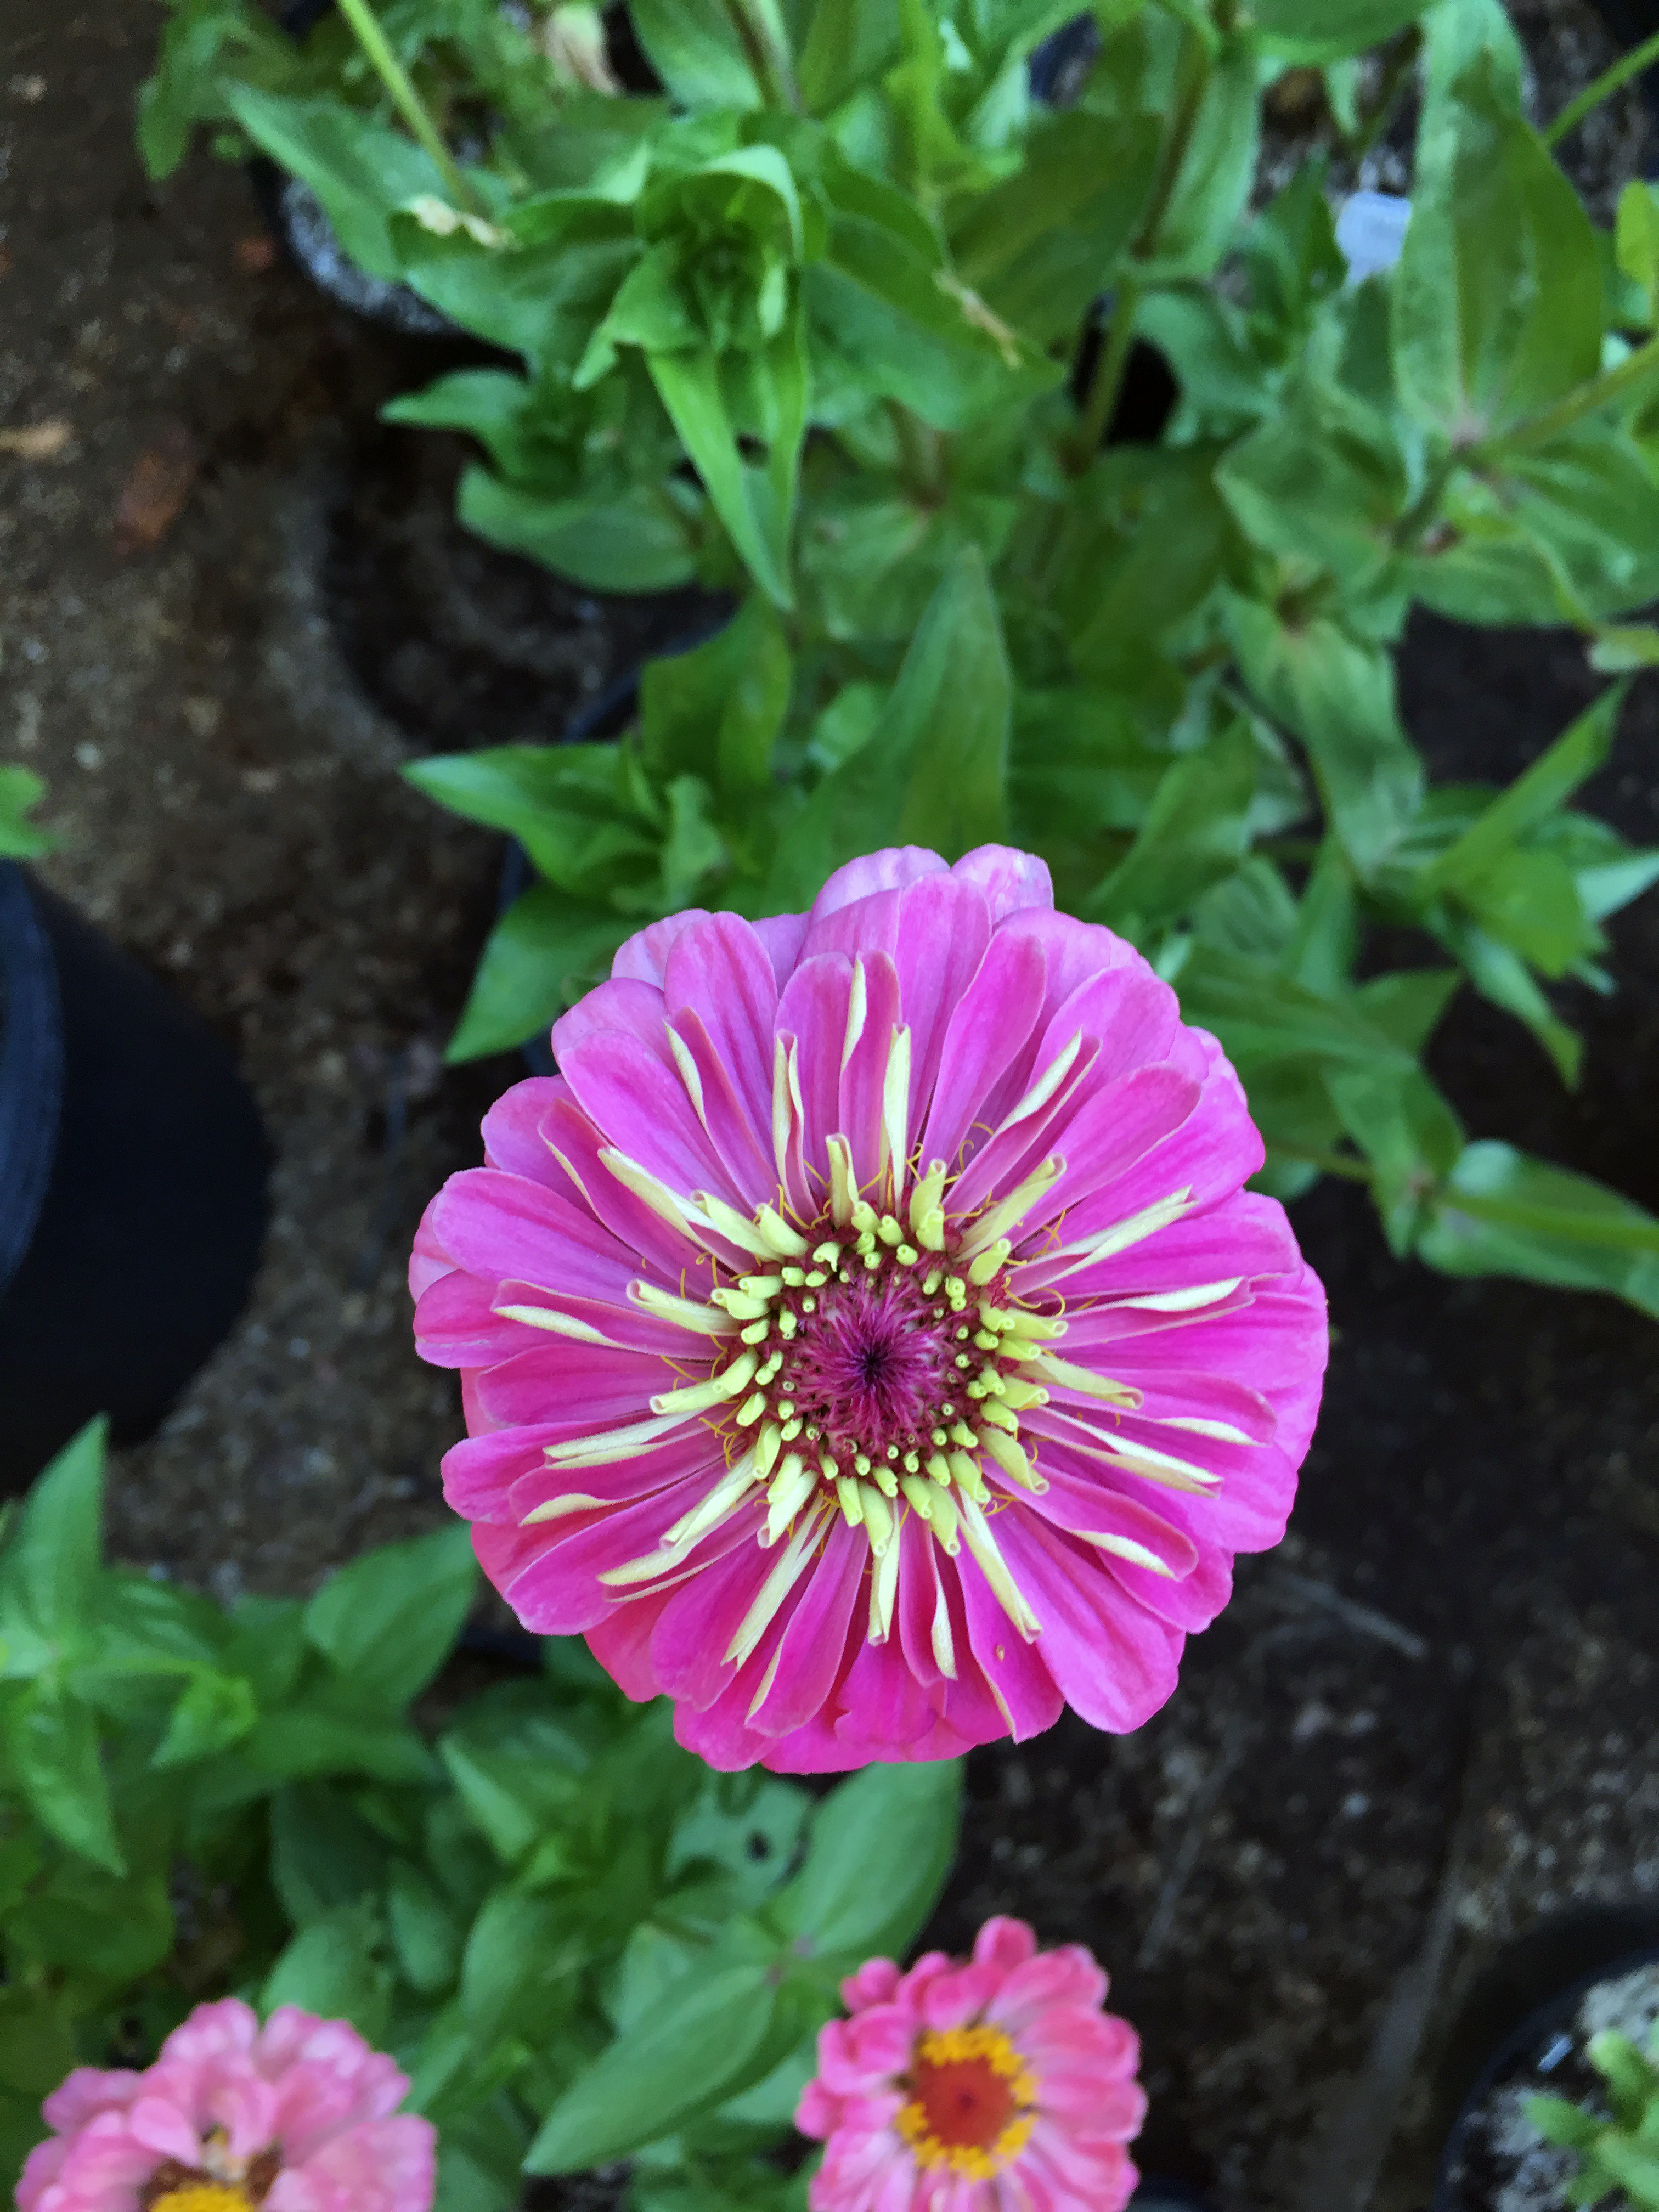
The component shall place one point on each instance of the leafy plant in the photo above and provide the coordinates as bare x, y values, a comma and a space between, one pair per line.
21, 791
838, 323
579, 1943
1617, 2152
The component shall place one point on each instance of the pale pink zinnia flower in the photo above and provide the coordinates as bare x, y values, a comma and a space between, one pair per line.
298, 2115
997, 2087
866, 1339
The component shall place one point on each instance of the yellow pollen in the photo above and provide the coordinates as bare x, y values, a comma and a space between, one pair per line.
971, 2104
202, 2196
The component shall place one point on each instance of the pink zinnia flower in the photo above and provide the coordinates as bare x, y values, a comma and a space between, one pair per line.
997, 2087
866, 1339
298, 2115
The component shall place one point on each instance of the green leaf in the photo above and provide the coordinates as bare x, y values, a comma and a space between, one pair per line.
933, 771
540, 955
707, 2039
388, 1621
37, 2042
361, 170
1496, 229
1338, 696
101, 1927
849, 43
425, 1931
704, 51
521, 1959
1502, 1213
541, 296
1499, 973
1038, 247
1534, 796
323, 1732
747, 1827
334, 1968
52, 1557
1218, 160
757, 504
1196, 831
901, 1819
21, 792
323, 1855
216, 1711
716, 711
631, 541
52, 1741
1636, 238
1322, 479
1410, 1135
1313, 30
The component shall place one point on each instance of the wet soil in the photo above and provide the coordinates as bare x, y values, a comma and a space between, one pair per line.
1429, 1722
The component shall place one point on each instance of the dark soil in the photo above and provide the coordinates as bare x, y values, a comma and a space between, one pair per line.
1428, 1722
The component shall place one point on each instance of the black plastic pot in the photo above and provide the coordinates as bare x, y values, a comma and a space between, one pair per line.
133, 1169
1540, 2051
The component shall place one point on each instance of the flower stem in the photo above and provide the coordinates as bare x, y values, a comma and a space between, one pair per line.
1108, 383
1538, 429
1627, 66
366, 29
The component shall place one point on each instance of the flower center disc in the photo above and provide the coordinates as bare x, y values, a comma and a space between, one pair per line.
202, 2196
970, 2098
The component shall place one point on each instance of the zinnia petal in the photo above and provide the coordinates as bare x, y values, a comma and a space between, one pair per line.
868, 1340
301, 2112
1000, 2083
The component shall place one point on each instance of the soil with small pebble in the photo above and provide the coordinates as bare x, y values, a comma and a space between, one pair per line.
233, 605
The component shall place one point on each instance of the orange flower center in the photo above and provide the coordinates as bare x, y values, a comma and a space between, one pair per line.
971, 2104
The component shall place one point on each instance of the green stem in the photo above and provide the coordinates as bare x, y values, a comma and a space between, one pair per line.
1108, 372
770, 65
366, 29
1599, 393
1400, 64
1628, 65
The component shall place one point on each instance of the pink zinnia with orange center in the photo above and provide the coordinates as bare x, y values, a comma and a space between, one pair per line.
998, 2086
867, 1339
298, 2115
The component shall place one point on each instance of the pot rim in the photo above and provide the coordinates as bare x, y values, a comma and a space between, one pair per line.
1526, 2031
31, 1066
